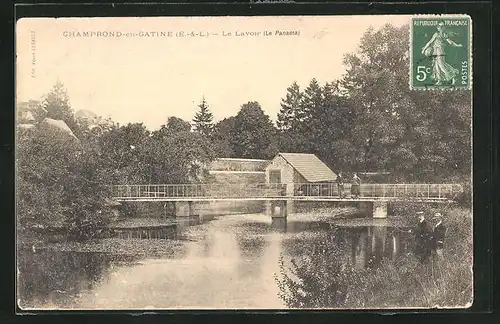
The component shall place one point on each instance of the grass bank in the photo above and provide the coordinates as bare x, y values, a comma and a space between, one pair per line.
326, 281
442, 282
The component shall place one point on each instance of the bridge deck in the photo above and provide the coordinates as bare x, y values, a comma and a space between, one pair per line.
296, 191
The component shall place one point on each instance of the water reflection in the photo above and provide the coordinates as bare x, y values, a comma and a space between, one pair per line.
51, 278
373, 244
229, 262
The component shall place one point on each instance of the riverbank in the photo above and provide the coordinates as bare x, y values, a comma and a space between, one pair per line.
156, 248
445, 282
442, 282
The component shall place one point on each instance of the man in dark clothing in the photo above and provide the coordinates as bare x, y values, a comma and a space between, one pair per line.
423, 236
438, 235
355, 184
340, 185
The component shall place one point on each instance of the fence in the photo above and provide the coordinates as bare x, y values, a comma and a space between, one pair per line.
421, 191
379, 190
198, 191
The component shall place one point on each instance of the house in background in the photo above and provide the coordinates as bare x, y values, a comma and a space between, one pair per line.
29, 112
297, 168
95, 123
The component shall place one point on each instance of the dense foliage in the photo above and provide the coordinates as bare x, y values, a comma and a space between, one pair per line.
63, 178
318, 280
371, 121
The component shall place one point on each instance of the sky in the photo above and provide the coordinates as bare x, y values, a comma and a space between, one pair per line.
148, 71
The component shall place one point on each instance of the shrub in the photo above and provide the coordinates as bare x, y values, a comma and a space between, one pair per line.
317, 280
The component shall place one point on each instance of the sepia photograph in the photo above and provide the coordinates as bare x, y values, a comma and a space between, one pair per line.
244, 163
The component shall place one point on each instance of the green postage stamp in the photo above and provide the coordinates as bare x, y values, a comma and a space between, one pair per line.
440, 52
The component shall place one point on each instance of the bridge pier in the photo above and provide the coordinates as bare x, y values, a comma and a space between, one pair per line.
379, 209
375, 209
183, 208
277, 209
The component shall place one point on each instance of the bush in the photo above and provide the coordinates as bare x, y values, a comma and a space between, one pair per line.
60, 185
317, 280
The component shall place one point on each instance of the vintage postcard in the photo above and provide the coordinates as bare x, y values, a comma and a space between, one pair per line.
244, 163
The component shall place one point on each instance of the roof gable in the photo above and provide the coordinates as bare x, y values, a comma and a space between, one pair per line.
309, 166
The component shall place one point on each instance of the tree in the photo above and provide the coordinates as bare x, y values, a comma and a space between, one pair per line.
42, 163
374, 82
61, 183
203, 119
175, 125
290, 121
58, 107
255, 136
290, 115
86, 196
410, 133
330, 127
123, 152
177, 155
62, 180
222, 137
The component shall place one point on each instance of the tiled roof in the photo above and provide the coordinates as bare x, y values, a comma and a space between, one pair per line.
59, 125
309, 166
87, 114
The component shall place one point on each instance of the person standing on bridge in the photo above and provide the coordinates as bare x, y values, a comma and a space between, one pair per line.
355, 186
340, 185
438, 235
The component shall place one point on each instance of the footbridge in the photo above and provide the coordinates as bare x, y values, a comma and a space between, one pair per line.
280, 197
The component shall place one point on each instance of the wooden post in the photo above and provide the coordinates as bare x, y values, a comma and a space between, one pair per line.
284, 209
269, 208
190, 208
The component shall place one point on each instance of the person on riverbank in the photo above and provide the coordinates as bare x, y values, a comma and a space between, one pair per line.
438, 235
340, 185
355, 184
423, 237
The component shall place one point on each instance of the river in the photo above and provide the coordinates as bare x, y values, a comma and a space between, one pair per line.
228, 262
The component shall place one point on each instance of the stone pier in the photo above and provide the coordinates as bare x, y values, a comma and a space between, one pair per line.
379, 209
278, 209
375, 209
184, 209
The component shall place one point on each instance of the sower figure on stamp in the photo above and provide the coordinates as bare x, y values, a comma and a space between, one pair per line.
441, 70
340, 185
355, 186
423, 236
438, 235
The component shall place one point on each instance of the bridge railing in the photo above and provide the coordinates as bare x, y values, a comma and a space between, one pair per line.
419, 191
381, 190
198, 191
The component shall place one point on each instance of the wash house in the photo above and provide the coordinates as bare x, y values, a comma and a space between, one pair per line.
300, 171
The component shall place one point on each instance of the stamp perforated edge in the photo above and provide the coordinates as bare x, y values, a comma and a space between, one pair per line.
441, 88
